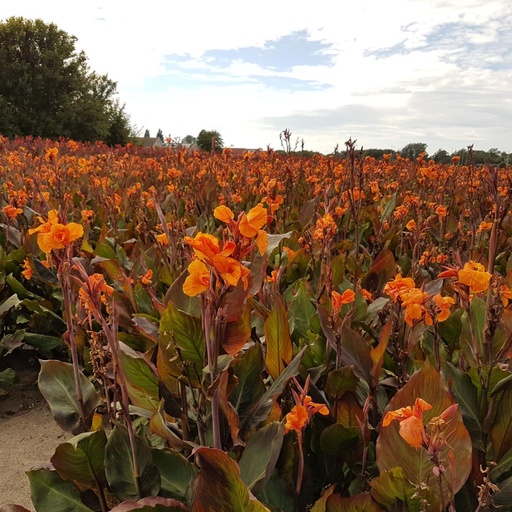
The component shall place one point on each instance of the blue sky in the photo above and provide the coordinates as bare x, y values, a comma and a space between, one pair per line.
384, 73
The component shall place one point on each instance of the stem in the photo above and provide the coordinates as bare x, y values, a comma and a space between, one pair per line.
65, 284
300, 467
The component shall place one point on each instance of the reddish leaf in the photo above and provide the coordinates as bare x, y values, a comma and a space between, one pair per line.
156, 504
278, 340
238, 332
358, 503
218, 486
393, 451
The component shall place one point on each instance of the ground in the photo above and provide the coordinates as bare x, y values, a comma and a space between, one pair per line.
28, 432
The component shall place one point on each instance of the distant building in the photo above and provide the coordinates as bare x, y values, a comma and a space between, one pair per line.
149, 142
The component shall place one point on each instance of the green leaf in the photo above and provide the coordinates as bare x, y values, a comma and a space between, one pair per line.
357, 503
218, 486
278, 340
12, 302
238, 332
261, 409
393, 451
340, 381
381, 271
49, 492
141, 382
81, 459
7, 377
356, 352
260, 455
337, 440
501, 430
181, 301
391, 487
302, 312
248, 367
186, 331
119, 467
176, 473
321, 503
57, 384
42, 342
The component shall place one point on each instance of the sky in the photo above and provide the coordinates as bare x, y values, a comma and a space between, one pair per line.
385, 73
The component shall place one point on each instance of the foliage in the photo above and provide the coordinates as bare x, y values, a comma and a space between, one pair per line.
210, 140
263, 331
47, 89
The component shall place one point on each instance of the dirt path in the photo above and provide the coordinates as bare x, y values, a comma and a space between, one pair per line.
28, 432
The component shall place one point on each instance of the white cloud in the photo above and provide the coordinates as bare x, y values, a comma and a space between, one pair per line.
435, 71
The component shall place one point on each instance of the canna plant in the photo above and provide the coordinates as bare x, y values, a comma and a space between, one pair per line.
238, 343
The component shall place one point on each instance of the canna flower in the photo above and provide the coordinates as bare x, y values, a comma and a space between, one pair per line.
441, 212
338, 299
54, 235
224, 214
198, 280
505, 294
484, 226
398, 285
411, 225
250, 226
146, 278
96, 288
443, 306
412, 301
207, 246
27, 273
410, 422
475, 276
11, 211
296, 419
162, 239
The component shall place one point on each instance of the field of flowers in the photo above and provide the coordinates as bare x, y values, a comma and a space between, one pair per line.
262, 332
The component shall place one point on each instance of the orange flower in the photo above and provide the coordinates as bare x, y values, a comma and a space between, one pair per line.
96, 288
338, 299
224, 214
251, 224
475, 276
399, 284
443, 305
441, 212
162, 239
505, 294
411, 422
198, 280
146, 278
412, 301
11, 211
484, 226
207, 246
229, 269
27, 273
296, 419
411, 225
59, 236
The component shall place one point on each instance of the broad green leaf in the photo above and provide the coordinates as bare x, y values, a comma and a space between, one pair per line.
248, 367
176, 473
260, 455
43, 342
81, 459
261, 409
156, 504
12, 302
466, 396
181, 301
141, 382
501, 430
355, 351
49, 492
159, 427
186, 331
340, 381
218, 486
278, 340
340, 441
393, 451
301, 311
57, 384
504, 496
392, 487
357, 503
119, 467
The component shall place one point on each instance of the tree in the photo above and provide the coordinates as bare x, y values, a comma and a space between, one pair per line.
160, 135
210, 139
189, 139
146, 133
48, 90
413, 150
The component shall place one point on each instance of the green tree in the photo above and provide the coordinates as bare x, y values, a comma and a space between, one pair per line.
210, 139
413, 150
146, 133
189, 139
160, 135
48, 90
